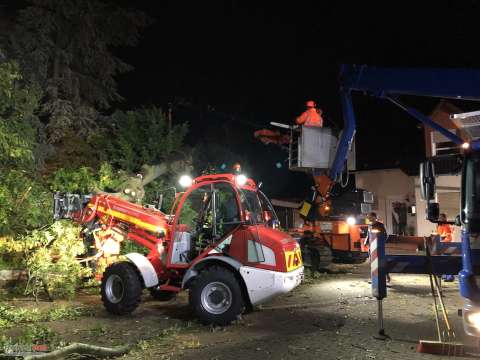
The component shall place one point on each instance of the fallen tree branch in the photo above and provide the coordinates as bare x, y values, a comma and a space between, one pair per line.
79, 348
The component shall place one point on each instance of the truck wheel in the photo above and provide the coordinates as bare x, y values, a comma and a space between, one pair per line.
121, 288
215, 296
325, 256
317, 258
161, 295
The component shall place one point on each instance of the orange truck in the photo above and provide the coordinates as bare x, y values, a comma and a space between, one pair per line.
337, 237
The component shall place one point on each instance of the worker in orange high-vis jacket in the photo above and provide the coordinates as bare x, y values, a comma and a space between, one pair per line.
444, 229
311, 117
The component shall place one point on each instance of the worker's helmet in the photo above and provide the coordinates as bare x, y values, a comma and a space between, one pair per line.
310, 104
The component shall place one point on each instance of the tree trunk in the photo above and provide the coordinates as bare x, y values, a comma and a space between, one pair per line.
79, 348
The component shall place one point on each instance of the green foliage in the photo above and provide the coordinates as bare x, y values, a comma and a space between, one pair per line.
85, 180
24, 200
18, 125
21, 194
67, 313
80, 180
31, 335
13, 316
163, 185
6, 263
39, 334
70, 56
50, 258
142, 137
67, 76
109, 179
131, 247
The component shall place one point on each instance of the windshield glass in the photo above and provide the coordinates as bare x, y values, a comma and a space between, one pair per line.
470, 190
251, 203
272, 219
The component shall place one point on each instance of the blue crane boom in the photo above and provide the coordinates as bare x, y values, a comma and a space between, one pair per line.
389, 83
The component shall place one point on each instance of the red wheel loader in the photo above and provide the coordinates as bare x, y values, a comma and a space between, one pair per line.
216, 242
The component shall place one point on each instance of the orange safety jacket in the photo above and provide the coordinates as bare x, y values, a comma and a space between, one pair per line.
310, 117
445, 232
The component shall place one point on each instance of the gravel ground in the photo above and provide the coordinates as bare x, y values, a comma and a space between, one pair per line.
331, 316
334, 317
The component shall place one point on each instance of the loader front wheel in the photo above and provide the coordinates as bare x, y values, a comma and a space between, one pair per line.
216, 297
121, 288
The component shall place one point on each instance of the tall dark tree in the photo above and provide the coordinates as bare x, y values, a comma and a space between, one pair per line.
65, 46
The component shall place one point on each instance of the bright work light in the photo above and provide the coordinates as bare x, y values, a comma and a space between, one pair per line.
185, 181
351, 220
241, 180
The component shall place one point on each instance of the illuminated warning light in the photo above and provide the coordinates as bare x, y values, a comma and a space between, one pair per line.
278, 165
351, 220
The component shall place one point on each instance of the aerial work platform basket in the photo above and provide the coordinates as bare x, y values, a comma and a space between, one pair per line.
311, 148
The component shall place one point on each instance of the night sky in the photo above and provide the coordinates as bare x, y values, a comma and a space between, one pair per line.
231, 67
261, 61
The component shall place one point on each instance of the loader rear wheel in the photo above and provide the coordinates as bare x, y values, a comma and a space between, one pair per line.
121, 288
161, 295
216, 297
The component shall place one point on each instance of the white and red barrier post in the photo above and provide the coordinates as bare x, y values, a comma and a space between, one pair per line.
378, 273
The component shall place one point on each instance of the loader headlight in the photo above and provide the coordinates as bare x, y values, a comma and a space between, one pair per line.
351, 220
241, 180
185, 181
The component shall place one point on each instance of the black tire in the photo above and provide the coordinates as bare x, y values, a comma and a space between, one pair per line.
121, 288
317, 258
161, 295
216, 297
325, 255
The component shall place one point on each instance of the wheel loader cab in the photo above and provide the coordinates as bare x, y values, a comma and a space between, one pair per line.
207, 213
